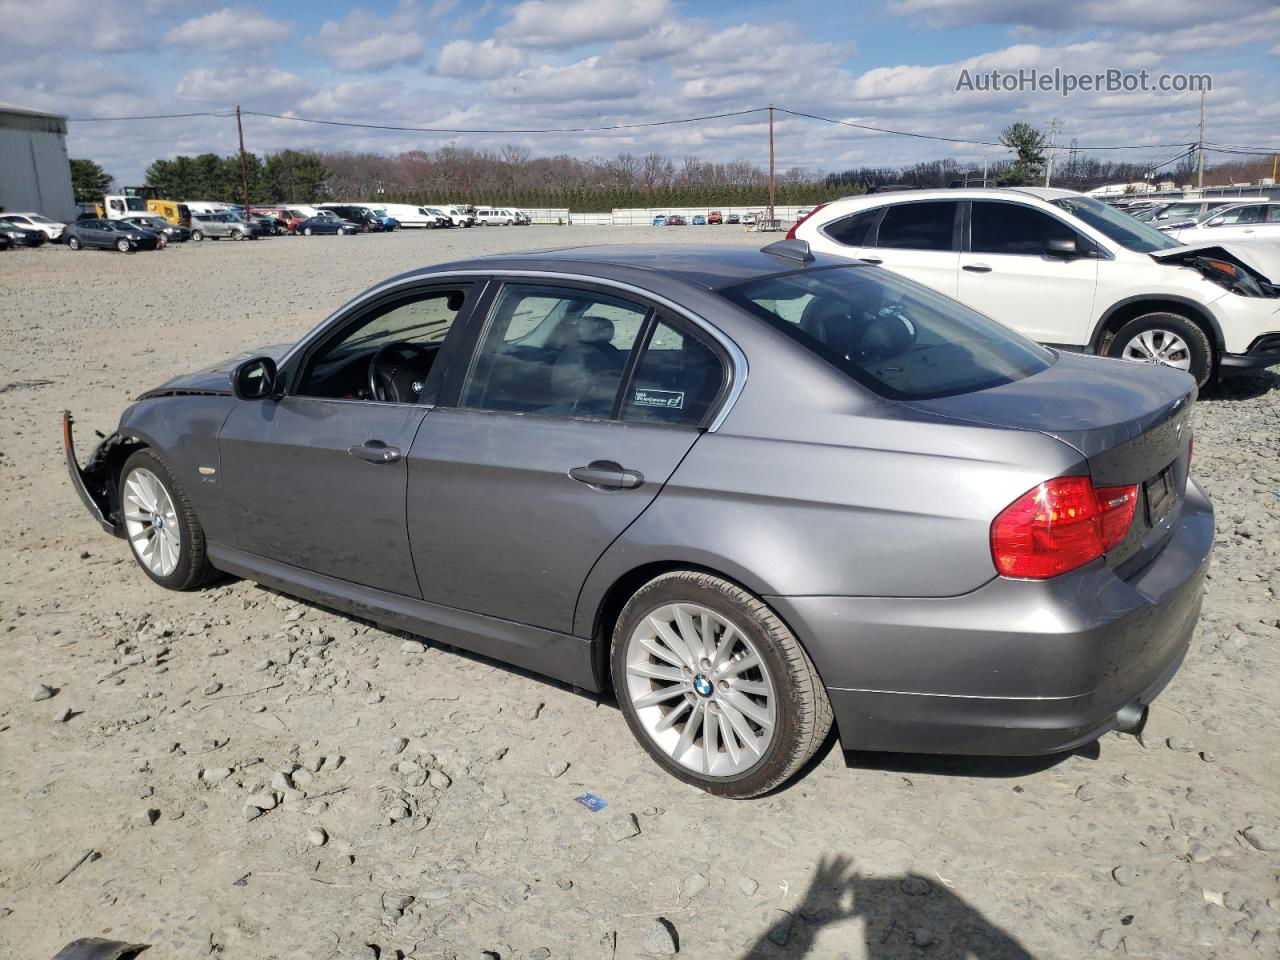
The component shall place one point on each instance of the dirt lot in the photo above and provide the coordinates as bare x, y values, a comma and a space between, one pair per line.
429, 796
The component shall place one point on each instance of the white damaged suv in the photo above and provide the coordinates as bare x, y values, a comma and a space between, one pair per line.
1069, 271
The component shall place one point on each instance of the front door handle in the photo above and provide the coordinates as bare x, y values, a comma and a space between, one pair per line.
375, 451
871, 260
976, 268
607, 475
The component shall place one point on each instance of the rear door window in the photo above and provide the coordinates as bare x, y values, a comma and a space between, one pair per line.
676, 380
919, 226
554, 351
1011, 228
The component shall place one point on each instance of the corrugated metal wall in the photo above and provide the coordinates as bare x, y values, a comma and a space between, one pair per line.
35, 174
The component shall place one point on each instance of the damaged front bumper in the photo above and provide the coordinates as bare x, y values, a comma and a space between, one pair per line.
93, 482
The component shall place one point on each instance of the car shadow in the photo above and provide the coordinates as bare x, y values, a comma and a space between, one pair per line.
900, 916
1243, 387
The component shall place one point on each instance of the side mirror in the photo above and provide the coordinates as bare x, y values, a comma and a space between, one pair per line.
1060, 247
1216, 222
254, 379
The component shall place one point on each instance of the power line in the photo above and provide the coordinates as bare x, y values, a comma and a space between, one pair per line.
615, 126
870, 128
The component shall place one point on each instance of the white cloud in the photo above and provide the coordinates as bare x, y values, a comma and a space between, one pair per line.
227, 29
102, 25
590, 79
1137, 14
464, 59
222, 86
349, 98
362, 41
667, 38
571, 23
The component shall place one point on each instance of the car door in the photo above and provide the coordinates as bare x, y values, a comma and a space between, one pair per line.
918, 239
316, 477
1010, 272
1236, 223
102, 234
536, 464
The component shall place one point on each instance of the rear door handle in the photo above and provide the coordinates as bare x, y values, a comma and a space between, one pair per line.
976, 268
871, 260
607, 475
375, 451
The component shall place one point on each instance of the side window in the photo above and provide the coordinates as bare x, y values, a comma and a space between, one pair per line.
556, 351
387, 354
918, 226
852, 230
676, 381
1273, 213
1012, 228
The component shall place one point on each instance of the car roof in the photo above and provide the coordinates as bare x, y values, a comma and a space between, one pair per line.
962, 193
706, 267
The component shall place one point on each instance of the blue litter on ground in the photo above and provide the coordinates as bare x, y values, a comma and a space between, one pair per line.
592, 802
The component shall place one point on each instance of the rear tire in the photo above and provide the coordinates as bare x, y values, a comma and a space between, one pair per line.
1167, 339
197, 235
763, 721
164, 535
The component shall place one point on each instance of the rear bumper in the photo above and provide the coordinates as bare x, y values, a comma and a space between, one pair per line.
1015, 668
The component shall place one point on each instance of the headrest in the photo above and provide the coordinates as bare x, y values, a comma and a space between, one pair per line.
595, 330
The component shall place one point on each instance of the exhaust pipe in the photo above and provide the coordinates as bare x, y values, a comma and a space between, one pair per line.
1131, 718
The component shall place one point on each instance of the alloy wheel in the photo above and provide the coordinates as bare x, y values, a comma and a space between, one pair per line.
700, 690
151, 522
1163, 347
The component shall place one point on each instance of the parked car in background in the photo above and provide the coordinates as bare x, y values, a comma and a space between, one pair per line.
494, 217
389, 223
1183, 210
52, 229
675, 220
1102, 282
1016, 571
168, 232
224, 226
714, 217
408, 215
5, 242
326, 222
522, 218
1238, 223
660, 220
106, 234
442, 218
699, 220
362, 216
20, 235
733, 218
749, 219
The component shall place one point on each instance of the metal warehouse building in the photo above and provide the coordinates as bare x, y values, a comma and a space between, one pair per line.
35, 174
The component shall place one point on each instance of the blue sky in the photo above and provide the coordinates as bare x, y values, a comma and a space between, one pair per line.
556, 63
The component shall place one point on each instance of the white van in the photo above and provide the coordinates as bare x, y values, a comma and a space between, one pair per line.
409, 215
494, 217
204, 207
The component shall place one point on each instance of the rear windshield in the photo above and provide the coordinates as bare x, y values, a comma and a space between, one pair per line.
902, 340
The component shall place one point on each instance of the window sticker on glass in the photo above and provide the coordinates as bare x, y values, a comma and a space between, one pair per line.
666, 399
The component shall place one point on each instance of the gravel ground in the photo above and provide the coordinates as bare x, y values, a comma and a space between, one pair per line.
232, 773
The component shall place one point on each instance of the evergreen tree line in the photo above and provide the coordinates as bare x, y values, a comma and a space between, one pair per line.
286, 177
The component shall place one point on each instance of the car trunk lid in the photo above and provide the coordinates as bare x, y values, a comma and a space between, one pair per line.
1129, 421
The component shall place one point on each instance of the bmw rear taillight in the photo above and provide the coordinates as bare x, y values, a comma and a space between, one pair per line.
1060, 525
791, 234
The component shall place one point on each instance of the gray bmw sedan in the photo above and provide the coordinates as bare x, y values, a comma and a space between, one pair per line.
753, 493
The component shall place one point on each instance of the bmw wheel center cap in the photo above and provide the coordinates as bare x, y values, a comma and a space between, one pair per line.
702, 685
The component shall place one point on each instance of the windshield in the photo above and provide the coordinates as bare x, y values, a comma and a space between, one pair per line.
135, 203
900, 339
1120, 227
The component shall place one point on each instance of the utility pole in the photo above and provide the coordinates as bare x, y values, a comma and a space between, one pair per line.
244, 169
1053, 139
771, 182
1200, 146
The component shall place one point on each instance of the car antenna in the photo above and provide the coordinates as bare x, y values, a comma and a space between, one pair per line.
791, 250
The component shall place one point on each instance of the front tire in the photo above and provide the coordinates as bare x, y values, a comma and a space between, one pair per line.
122, 246
163, 532
197, 235
73, 243
1166, 339
715, 687
306, 231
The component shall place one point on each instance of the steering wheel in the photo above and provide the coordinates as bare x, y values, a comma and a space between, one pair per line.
394, 376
